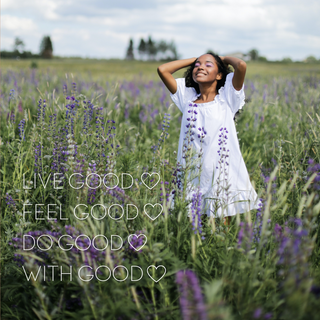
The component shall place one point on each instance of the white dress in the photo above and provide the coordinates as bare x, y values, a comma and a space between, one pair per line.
224, 182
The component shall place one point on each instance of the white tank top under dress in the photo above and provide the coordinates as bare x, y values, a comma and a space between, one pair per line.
224, 182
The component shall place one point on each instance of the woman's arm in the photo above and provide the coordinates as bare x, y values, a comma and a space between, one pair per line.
239, 67
166, 70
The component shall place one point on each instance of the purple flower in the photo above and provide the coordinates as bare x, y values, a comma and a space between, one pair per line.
315, 185
10, 202
21, 129
257, 313
196, 212
191, 299
245, 236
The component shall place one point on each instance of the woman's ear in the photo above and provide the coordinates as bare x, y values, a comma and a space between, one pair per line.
219, 76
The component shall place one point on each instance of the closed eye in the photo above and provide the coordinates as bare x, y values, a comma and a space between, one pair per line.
210, 64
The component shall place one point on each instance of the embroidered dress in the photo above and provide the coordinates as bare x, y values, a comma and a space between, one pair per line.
224, 181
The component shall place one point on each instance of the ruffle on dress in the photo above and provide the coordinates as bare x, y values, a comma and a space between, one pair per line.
221, 96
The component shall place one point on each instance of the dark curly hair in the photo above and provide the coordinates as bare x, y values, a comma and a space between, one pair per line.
221, 66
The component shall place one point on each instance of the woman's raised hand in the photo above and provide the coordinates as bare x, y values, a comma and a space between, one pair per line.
224, 62
166, 70
239, 67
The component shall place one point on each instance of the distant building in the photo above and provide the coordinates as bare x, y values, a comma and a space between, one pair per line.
238, 54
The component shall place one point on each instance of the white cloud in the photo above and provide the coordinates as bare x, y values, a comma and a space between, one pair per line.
277, 28
17, 25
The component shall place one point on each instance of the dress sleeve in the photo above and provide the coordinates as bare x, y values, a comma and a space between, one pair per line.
182, 95
234, 98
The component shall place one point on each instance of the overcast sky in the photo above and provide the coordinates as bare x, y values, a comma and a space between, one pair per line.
102, 28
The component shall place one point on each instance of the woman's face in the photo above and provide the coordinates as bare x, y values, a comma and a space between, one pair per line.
206, 69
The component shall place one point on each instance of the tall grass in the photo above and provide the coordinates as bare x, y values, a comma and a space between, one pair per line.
263, 266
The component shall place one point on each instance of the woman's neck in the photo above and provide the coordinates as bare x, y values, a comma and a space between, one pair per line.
208, 92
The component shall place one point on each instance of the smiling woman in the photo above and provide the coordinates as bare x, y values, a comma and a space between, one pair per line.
209, 96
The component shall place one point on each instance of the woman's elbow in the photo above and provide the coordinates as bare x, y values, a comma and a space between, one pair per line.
242, 66
161, 69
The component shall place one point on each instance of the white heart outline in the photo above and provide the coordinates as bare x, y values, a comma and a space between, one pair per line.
157, 204
149, 176
165, 271
141, 234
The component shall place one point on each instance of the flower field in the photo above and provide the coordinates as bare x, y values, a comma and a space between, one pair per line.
94, 217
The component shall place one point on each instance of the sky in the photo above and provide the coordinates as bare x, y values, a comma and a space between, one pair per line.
102, 28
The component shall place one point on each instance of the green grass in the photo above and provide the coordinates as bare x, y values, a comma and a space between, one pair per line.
118, 69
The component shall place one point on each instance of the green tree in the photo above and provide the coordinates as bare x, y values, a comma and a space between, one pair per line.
262, 59
311, 59
162, 48
172, 47
46, 49
286, 60
157, 50
253, 54
130, 53
151, 49
142, 48
18, 45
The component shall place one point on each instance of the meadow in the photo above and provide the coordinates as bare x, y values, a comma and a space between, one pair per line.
75, 232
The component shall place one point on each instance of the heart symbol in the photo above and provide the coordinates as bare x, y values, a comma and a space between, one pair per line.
137, 236
150, 176
165, 271
149, 204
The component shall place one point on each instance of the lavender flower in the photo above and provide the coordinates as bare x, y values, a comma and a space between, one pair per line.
38, 158
222, 171
314, 168
11, 95
245, 237
291, 243
11, 117
167, 191
21, 129
191, 299
196, 213
258, 222
187, 145
294, 251
74, 88
70, 115
41, 112
10, 202
93, 183
257, 313
65, 89
136, 242
110, 159
117, 194
88, 116
177, 178
164, 134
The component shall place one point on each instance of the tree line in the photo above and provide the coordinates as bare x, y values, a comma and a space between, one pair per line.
46, 50
152, 50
